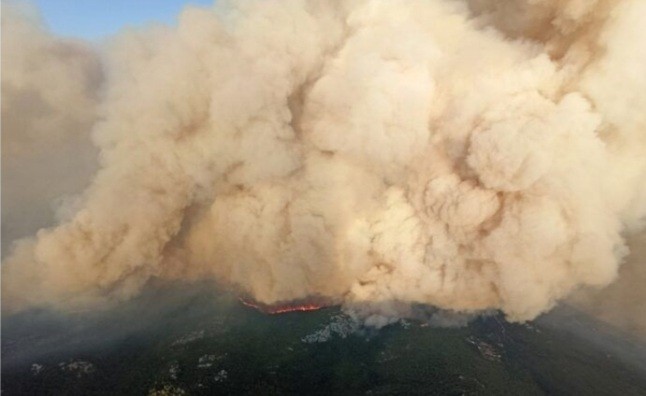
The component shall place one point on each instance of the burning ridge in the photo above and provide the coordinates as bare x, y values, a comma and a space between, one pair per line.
300, 305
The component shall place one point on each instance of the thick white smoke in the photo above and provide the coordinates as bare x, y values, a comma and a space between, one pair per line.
468, 155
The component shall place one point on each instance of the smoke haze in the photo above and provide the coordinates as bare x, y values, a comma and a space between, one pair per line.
472, 156
49, 100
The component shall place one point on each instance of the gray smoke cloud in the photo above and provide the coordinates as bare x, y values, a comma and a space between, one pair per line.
49, 103
470, 155
621, 303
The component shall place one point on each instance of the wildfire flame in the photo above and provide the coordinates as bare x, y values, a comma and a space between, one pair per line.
280, 309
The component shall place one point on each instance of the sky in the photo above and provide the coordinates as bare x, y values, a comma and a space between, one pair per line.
96, 19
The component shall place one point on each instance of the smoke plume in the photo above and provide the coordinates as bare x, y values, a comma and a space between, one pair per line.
470, 155
49, 99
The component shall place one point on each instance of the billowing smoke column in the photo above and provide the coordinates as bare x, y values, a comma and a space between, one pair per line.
467, 155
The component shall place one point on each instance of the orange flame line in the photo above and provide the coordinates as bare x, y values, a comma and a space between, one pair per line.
283, 309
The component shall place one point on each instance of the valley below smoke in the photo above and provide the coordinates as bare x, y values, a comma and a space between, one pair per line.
473, 156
